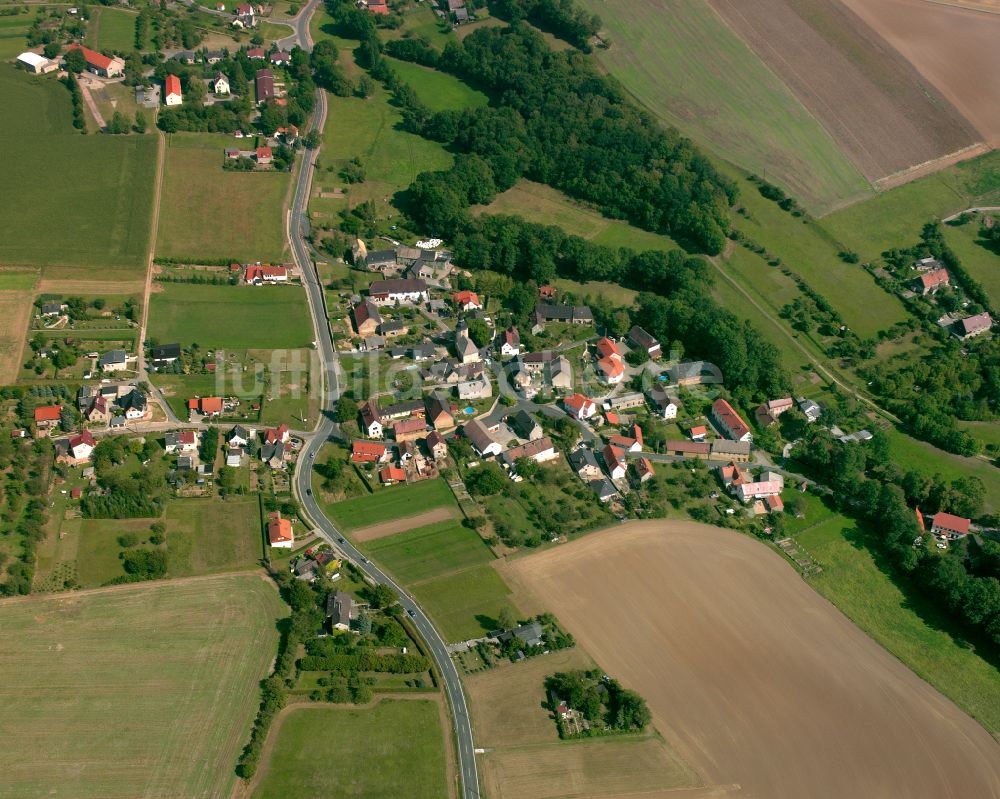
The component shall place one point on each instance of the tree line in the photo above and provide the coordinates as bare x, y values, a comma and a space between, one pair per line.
552, 119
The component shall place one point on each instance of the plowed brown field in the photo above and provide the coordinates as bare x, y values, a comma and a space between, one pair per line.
874, 103
955, 49
754, 677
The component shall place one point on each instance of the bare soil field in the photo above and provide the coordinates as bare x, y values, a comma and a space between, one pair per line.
525, 757
874, 103
955, 49
385, 529
753, 677
49, 285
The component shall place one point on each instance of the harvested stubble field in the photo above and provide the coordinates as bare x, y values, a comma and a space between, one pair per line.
755, 678
954, 48
875, 104
386, 529
525, 757
142, 690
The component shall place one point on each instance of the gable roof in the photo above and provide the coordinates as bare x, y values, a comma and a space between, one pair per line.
173, 85
48, 413
529, 450
934, 278
92, 57
608, 349
728, 416
975, 324
949, 521
279, 530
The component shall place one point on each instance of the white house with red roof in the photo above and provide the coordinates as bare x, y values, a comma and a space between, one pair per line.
172, 91
511, 344
948, 524
579, 406
769, 484
184, 441
729, 422
279, 531
614, 461
259, 274
82, 445
105, 66
642, 470
609, 361
47, 416
466, 300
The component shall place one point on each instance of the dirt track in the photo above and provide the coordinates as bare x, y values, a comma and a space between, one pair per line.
402, 525
753, 676
955, 49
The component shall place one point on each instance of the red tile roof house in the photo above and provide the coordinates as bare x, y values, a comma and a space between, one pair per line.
47, 416
279, 531
466, 300
643, 470
366, 318
699, 432
101, 64
610, 361
257, 274
929, 282
206, 406
972, 326
368, 452
264, 156
547, 292
392, 474
379, 8
511, 342
281, 57
256, 53
82, 445
275, 434
173, 95
729, 422
614, 461
950, 525
579, 406
626, 443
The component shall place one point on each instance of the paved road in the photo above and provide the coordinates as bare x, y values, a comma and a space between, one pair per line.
298, 227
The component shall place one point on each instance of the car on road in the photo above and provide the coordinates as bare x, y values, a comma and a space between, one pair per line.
364, 560
412, 614
312, 454
341, 541
309, 492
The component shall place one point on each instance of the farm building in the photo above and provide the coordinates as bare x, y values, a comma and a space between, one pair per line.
264, 82
102, 65
730, 422
40, 65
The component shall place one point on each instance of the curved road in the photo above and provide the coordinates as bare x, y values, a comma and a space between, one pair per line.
298, 227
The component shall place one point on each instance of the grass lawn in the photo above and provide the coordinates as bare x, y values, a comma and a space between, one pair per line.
232, 317
429, 551
393, 749
80, 200
115, 29
545, 205
894, 218
97, 560
910, 454
906, 624
439, 91
144, 690
205, 536
465, 604
809, 251
369, 130
13, 30
206, 212
395, 502
982, 261
723, 96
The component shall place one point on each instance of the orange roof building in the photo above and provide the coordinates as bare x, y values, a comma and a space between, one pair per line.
47, 414
279, 531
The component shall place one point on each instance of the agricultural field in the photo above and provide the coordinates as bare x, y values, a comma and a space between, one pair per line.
954, 48
396, 502
906, 624
439, 91
526, 758
736, 609
208, 213
874, 103
16, 295
369, 130
426, 552
395, 748
166, 672
84, 201
111, 29
723, 96
230, 317
464, 604
894, 218
13, 30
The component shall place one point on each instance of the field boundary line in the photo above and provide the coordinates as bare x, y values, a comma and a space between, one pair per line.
124, 587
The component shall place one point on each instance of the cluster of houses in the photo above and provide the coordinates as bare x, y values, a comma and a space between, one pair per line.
932, 277
113, 404
406, 460
274, 446
419, 263
315, 562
